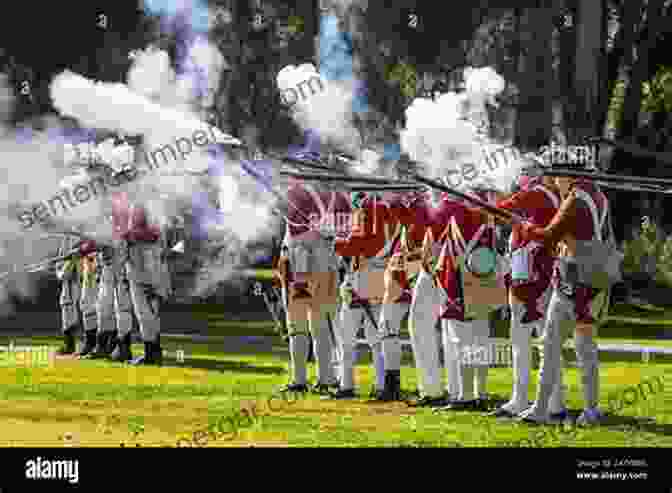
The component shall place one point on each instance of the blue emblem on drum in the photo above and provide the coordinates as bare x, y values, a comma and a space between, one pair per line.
482, 262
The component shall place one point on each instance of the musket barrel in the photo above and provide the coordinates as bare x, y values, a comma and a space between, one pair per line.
490, 209
606, 177
346, 179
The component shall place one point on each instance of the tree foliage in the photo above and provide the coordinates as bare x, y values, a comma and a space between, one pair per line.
657, 92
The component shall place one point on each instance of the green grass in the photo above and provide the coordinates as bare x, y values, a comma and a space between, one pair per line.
93, 403
97, 403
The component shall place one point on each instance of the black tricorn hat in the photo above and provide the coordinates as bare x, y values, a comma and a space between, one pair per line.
580, 157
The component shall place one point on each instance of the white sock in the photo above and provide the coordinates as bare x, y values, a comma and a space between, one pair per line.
323, 346
378, 364
391, 313
451, 362
521, 351
556, 403
298, 350
482, 381
467, 391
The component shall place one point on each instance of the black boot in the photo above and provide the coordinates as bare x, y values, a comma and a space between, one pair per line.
157, 352
342, 394
392, 389
122, 353
112, 343
294, 388
69, 345
89, 343
311, 350
102, 346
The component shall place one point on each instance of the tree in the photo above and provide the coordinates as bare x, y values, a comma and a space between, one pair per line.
583, 104
640, 71
625, 16
534, 116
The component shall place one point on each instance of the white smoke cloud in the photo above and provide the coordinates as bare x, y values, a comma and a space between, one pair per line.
155, 104
326, 110
29, 173
447, 135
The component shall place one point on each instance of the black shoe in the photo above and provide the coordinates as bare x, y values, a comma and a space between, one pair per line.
102, 346
69, 344
483, 404
472, 405
89, 343
153, 355
501, 412
294, 387
342, 394
122, 353
429, 402
324, 388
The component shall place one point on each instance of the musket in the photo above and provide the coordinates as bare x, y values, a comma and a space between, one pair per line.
490, 209
599, 177
350, 178
271, 305
635, 150
45, 264
382, 188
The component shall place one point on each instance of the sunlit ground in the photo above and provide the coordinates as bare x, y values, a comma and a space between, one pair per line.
66, 402
85, 403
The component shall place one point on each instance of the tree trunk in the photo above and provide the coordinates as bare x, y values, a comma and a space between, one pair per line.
622, 51
534, 113
589, 51
567, 40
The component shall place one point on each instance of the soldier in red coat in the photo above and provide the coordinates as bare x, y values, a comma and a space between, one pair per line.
581, 217
529, 288
466, 273
141, 257
410, 212
426, 299
316, 216
363, 290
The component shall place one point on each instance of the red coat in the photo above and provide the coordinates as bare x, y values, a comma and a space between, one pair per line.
412, 210
417, 213
573, 219
130, 221
373, 225
538, 204
313, 208
469, 222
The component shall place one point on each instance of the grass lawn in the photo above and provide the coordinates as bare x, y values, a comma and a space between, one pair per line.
93, 403
89, 403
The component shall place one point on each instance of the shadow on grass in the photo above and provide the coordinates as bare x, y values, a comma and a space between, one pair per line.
616, 422
635, 423
225, 366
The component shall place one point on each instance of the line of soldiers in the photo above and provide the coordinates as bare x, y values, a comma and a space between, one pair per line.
105, 289
441, 265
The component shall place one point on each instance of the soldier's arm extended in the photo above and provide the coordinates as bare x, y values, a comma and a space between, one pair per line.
562, 224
